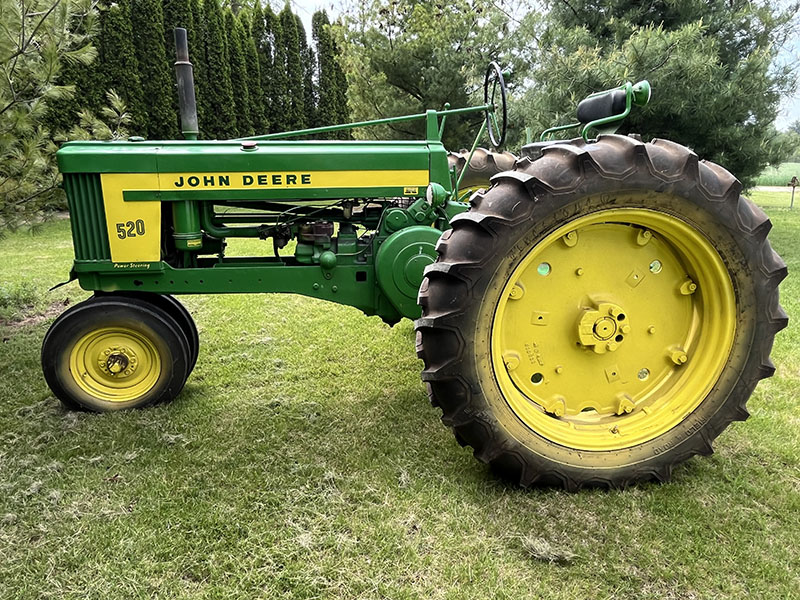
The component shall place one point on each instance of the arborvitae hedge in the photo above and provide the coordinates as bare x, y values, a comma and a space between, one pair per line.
277, 79
327, 112
220, 120
254, 71
295, 106
155, 72
309, 87
262, 40
116, 59
254, 90
197, 55
177, 13
238, 67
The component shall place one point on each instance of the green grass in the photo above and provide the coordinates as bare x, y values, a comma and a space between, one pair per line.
303, 460
781, 199
780, 175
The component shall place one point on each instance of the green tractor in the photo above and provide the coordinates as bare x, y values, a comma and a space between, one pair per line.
593, 312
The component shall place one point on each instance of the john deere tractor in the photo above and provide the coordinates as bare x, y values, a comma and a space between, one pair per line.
592, 312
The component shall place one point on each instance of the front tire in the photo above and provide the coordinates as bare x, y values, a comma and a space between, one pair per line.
113, 353
601, 314
175, 309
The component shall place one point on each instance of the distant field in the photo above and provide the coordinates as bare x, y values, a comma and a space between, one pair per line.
779, 175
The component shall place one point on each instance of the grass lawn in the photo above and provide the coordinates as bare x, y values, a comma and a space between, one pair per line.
303, 460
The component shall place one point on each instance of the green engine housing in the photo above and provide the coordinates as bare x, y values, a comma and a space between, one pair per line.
157, 216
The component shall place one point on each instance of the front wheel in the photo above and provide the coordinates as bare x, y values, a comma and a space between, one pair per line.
112, 353
600, 314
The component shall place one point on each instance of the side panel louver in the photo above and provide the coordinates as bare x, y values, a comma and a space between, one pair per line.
87, 216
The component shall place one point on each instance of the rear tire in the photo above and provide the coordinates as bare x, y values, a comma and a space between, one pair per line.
601, 314
484, 165
114, 353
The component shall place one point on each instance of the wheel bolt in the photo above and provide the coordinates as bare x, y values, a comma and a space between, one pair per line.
571, 239
678, 357
511, 360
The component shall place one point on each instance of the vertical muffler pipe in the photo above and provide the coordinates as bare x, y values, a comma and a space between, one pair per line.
186, 99
185, 214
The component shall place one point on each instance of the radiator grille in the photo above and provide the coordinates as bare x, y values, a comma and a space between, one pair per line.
87, 216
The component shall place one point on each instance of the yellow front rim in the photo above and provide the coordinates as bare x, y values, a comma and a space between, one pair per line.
115, 364
613, 329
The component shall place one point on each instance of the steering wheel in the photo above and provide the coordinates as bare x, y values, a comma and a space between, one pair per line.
493, 83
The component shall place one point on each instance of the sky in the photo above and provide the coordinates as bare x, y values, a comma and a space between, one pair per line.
789, 110
790, 107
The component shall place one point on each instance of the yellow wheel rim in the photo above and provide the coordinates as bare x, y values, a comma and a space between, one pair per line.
613, 329
115, 364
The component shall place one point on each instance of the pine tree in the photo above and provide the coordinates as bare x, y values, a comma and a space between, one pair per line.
221, 115
118, 64
28, 174
155, 71
727, 48
238, 66
406, 56
295, 102
254, 89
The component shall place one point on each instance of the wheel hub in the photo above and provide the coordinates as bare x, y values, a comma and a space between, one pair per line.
118, 361
115, 364
602, 327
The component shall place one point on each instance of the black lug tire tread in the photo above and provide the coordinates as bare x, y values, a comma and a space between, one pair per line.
612, 163
50, 344
176, 310
484, 165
